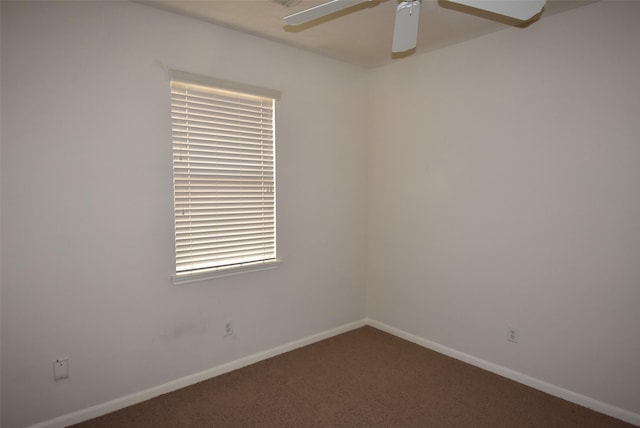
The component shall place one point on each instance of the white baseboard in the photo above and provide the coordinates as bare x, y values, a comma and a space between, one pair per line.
135, 398
138, 397
565, 394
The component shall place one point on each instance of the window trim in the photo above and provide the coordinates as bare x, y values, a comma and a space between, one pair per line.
190, 278
222, 271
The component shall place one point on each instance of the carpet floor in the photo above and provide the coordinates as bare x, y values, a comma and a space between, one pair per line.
362, 378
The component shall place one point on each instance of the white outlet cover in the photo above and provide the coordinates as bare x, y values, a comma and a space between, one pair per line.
61, 369
228, 328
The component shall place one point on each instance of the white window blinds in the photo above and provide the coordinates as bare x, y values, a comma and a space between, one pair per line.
224, 177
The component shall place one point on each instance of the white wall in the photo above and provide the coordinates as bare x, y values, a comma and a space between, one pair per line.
87, 204
0, 223
504, 188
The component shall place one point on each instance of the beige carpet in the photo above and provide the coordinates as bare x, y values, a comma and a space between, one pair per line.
363, 378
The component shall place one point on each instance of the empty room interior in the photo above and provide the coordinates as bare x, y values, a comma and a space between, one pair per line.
489, 184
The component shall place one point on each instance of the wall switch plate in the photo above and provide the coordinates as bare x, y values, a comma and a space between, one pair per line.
513, 334
61, 369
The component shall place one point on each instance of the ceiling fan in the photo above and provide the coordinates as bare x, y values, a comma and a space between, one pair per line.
405, 32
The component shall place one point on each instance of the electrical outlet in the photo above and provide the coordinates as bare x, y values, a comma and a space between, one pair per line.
61, 369
228, 328
513, 334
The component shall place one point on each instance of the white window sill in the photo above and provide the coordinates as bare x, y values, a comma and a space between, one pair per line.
189, 278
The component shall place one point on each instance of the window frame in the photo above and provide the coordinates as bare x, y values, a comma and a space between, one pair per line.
186, 276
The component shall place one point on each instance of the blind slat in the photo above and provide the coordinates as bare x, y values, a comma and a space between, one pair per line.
224, 177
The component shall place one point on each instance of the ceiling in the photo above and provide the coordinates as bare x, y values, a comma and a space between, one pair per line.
360, 35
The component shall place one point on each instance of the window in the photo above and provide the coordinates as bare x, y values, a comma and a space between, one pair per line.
223, 177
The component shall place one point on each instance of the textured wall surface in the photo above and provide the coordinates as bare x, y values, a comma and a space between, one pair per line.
503, 190
87, 204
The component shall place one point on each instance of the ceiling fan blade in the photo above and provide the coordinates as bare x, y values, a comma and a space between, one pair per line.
319, 11
405, 30
518, 9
